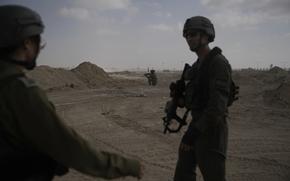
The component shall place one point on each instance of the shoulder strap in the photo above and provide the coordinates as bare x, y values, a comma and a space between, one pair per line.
203, 78
204, 69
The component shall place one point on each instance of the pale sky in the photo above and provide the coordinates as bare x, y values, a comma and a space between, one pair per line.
129, 34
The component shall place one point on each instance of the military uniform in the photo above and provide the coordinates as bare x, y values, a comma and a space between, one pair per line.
152, 78
33, 138
206, 95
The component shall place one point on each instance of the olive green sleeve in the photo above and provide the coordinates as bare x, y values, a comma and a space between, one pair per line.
219, 88
42, 128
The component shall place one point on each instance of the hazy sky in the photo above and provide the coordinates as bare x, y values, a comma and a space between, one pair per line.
126, 34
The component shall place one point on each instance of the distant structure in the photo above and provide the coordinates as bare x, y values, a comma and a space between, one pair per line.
152, 77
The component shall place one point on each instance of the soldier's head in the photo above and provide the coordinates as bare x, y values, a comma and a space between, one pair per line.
198, 32
20, 40
152, 71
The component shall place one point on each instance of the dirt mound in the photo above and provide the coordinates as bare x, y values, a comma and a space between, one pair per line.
277, 69
280, 95
250, 77
92, 75
284, 91
50, 78
85, 75
274, 76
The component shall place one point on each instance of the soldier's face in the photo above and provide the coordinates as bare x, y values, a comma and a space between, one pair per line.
192, 39
32, 48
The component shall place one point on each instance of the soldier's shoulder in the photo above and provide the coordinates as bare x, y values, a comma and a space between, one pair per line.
220, 64
220, 60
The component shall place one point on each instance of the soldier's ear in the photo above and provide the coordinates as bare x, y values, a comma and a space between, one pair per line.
27, 44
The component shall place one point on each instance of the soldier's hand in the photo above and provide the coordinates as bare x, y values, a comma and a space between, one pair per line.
181, 102
189, 139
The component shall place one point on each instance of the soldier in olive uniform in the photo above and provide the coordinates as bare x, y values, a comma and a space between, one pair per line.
152, 77
35, 144
206, 94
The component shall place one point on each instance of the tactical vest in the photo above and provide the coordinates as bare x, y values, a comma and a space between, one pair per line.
20, 164
197, 88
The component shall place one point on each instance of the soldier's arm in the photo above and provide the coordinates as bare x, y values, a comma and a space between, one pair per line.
219, 88
42, 128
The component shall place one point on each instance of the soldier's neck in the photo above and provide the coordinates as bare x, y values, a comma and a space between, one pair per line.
18, 56
203, 52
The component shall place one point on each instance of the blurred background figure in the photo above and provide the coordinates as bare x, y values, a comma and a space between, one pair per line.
152, 77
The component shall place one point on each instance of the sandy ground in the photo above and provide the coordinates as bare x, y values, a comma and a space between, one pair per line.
127, 120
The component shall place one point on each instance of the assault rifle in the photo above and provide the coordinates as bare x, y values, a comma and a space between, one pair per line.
176, 92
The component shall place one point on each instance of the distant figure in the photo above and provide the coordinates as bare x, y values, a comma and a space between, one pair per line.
35, 143
152, 77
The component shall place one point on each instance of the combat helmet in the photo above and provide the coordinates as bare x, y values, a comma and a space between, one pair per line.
200, 23
17, 23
